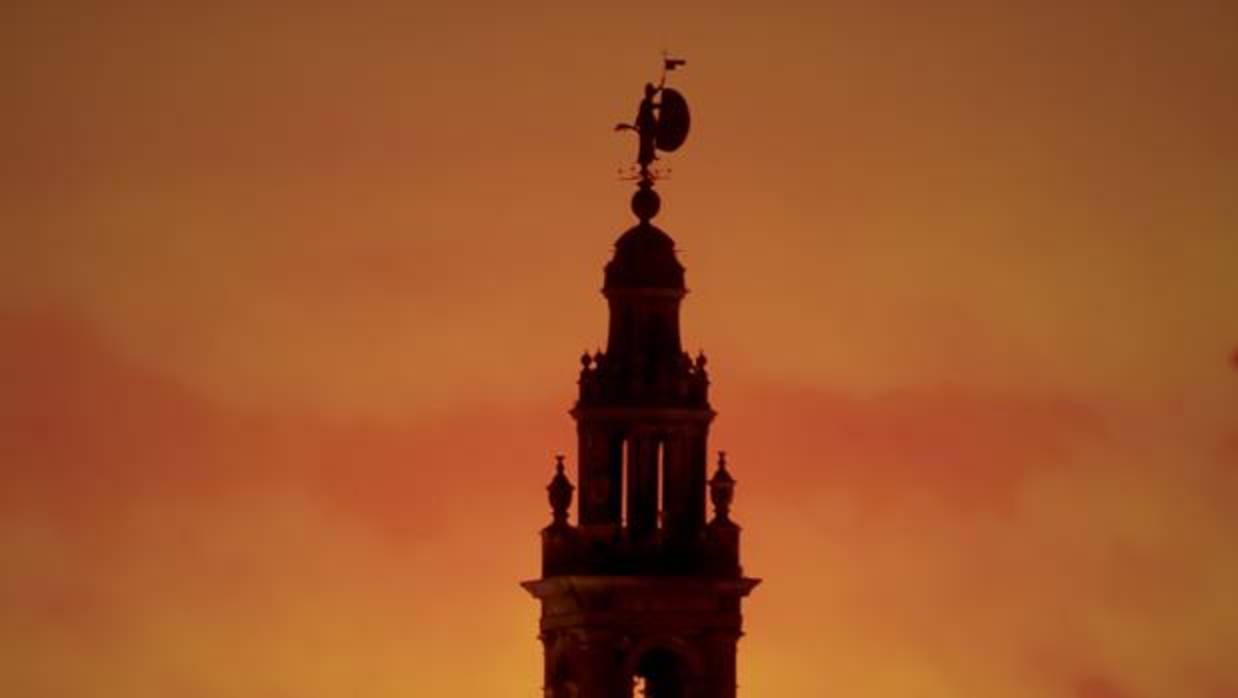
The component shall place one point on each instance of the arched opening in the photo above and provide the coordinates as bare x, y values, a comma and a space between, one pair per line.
615, 479
640, 485
625, 464
660, 478
660, 673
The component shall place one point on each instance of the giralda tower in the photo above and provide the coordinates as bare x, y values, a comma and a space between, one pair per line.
644, 591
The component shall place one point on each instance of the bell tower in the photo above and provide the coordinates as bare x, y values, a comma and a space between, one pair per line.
643, 593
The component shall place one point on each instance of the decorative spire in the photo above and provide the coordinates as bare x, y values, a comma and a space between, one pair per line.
722, 490
560, 493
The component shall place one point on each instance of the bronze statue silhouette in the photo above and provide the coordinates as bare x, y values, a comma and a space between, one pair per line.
661, 125
646, 125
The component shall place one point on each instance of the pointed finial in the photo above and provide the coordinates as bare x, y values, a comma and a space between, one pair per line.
560, 493
722, 490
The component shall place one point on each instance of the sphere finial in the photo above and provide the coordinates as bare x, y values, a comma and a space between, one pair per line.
646, 202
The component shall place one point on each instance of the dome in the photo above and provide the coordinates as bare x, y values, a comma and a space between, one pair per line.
644, 258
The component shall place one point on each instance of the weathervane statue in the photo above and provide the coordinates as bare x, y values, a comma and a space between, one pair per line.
661, 125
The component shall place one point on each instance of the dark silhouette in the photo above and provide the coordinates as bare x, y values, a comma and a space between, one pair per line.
665, 130
643, 588
645, 126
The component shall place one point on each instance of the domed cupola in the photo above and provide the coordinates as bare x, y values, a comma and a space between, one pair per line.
644, 258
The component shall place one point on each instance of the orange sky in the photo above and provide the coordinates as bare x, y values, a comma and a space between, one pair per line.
291, 303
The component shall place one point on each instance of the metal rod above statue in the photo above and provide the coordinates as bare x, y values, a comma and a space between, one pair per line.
660, 125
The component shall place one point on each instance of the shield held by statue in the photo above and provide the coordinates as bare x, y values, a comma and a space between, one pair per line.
673, 121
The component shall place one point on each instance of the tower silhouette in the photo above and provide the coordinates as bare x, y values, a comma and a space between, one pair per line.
643, 590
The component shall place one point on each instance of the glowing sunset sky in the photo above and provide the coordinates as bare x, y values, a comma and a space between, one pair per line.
291, 300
